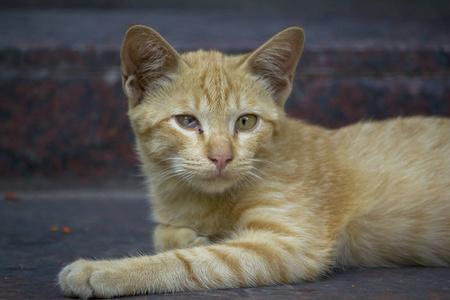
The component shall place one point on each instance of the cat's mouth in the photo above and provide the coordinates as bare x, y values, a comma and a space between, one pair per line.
234, 174
218, 176
216, 182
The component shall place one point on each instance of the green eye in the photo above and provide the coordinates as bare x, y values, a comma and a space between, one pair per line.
188, 122
246, 122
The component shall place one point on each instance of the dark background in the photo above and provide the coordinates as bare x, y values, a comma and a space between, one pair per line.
63, 113
66, 148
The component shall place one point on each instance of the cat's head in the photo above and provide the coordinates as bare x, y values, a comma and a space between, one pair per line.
204, 118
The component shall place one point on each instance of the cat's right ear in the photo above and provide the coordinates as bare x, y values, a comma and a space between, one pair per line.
146, 61
275, 62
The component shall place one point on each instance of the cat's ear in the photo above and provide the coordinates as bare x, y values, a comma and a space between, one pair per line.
276, 61
147, 60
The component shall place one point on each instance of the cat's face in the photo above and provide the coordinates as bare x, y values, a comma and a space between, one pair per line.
209, 124
203, 118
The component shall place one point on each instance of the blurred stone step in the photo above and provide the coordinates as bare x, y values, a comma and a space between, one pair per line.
64, 62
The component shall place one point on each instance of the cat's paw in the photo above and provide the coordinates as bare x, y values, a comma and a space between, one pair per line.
88, 279
168, 237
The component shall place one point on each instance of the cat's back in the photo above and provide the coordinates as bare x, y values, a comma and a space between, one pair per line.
401, 191
402, 147
423, 130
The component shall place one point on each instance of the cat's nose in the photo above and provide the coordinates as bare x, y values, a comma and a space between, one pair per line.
221, 160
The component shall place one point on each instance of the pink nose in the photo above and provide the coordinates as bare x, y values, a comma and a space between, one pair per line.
221, 160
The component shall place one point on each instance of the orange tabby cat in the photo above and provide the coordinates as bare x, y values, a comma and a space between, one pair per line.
248, 197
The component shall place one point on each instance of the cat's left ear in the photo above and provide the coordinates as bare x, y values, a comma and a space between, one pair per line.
276, 61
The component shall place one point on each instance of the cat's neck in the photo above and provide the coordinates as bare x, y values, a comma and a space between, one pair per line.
184, 206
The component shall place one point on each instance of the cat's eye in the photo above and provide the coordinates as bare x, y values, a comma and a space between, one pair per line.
246, 122
188, 122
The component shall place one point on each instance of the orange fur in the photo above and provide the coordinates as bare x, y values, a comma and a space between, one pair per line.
278, 203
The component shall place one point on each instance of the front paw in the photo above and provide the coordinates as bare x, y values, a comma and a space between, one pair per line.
87, 279
168, 237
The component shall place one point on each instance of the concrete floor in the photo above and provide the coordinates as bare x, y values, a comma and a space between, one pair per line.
113, 223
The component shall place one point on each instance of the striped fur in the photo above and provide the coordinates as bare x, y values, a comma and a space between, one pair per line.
291, 202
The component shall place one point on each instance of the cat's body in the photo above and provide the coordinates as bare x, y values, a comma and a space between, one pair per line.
256, 198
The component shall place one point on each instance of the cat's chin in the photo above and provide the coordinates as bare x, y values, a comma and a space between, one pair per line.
215, 185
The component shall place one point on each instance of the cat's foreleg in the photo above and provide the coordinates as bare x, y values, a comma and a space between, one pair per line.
167, 237
256, 260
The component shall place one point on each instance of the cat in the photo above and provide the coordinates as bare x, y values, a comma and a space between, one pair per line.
246, 196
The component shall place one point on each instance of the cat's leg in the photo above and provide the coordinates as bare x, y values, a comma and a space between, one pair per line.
167, 237
256, 259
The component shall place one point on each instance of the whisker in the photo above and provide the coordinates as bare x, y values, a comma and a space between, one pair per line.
264, 173
168, 159
264, 162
